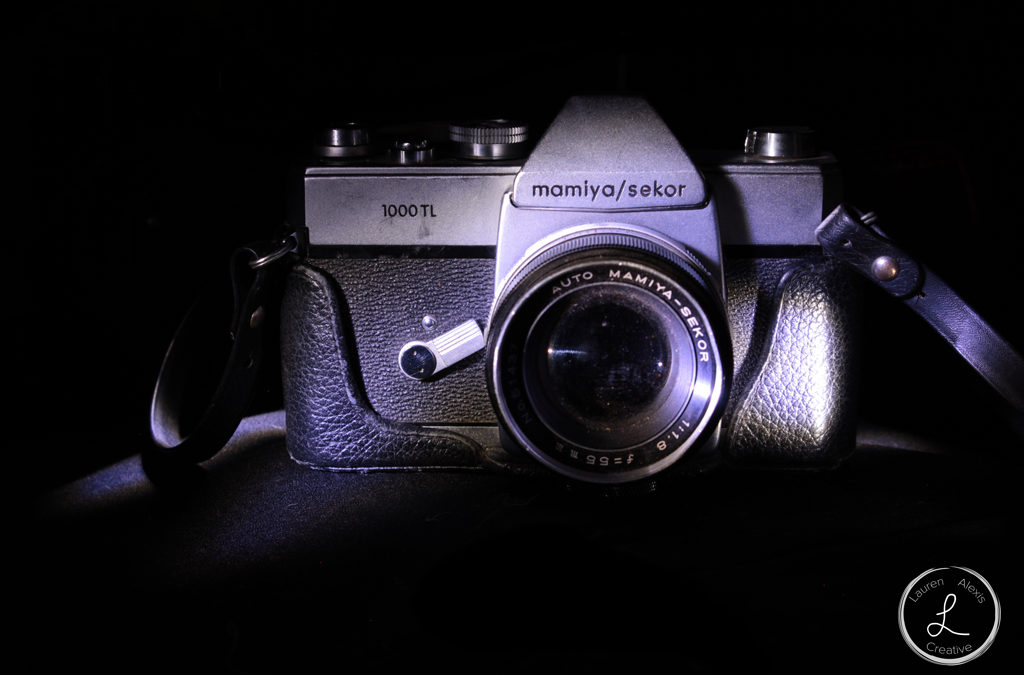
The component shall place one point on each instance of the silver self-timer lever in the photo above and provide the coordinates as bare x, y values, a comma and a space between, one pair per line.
420, 360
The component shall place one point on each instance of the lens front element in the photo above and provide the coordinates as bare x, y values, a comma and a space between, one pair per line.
606, 367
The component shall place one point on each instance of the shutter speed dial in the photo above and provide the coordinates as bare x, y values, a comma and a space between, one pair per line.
489, 139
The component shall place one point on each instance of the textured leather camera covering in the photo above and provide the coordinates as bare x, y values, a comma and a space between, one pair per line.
795, 341
387, 299
330, 422
793, 322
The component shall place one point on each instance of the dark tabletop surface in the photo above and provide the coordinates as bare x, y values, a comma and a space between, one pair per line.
255, 560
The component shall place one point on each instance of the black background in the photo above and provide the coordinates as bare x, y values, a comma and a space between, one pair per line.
159, 137
153, 139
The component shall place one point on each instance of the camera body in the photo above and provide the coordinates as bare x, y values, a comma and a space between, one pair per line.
599, 305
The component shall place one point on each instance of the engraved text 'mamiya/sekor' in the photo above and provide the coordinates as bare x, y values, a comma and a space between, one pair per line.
592, 191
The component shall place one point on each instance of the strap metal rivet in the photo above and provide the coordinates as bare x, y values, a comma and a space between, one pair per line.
885, 268
256, 318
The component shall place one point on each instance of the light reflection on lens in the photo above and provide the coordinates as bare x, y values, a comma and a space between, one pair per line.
608, 367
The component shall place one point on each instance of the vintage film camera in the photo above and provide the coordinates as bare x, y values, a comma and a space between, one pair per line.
598, 305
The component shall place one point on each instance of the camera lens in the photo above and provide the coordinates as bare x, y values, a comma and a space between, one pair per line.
606, 354
605, 364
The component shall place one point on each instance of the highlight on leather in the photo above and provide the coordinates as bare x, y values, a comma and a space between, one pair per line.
794, 403
330, 424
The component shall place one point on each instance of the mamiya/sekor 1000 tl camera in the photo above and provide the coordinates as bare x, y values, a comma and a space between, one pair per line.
597, 304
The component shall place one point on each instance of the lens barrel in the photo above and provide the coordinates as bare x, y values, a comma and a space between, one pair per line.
608, 353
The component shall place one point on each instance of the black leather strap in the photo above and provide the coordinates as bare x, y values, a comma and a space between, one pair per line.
853, 239
208, 376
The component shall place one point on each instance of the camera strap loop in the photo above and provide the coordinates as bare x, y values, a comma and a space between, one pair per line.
856, 241
209, 373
